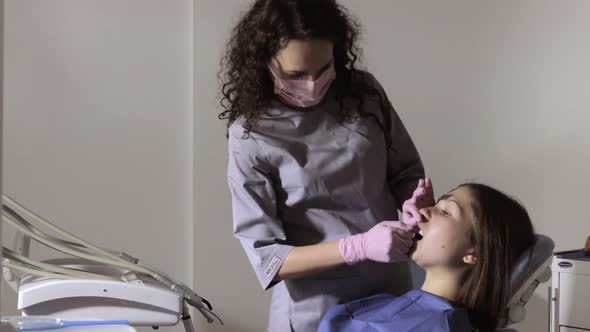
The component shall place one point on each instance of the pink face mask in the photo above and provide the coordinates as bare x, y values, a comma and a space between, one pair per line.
303, 93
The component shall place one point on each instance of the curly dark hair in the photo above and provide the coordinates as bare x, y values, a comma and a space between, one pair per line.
265, 28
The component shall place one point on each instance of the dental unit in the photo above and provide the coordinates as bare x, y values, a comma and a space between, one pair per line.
94, 284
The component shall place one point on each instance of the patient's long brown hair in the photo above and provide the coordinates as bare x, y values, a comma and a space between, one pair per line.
502, 231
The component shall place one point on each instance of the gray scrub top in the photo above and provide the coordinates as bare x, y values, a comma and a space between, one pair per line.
303, 178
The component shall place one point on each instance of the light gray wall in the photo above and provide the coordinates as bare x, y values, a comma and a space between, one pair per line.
492, 91
1, 112
98, 124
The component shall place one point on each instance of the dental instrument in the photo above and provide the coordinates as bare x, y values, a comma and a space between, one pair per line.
417, 233
27, 324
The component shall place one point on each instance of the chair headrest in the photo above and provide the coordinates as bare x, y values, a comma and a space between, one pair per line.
530, 269
530, 261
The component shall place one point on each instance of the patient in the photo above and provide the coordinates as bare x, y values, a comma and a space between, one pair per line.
471, 240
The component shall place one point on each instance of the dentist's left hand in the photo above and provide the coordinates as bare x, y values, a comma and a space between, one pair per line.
422, 197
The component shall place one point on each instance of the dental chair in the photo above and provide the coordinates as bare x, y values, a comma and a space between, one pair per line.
532, 268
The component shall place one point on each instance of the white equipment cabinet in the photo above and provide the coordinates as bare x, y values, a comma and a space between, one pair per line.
570, 292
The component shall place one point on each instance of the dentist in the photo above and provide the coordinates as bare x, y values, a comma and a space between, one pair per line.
319, 162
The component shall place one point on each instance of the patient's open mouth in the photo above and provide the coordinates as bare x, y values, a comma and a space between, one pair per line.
418, 235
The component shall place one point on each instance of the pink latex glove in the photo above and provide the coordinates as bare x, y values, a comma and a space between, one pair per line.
422, 197
387, 242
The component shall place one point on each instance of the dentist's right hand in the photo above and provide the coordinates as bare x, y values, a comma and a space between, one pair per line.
387, 242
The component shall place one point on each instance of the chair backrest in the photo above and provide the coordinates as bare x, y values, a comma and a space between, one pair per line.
532, 268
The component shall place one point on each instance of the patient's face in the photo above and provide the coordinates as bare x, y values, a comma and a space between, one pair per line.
447, 231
